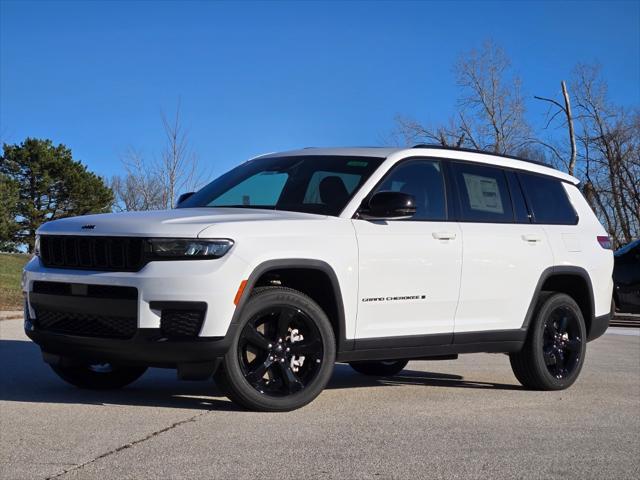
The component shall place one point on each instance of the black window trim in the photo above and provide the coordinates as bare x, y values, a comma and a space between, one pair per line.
448, 191
510, 173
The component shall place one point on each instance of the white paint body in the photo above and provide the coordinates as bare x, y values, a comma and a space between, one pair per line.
473, 276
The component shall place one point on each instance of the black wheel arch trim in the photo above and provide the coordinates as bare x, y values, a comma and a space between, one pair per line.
593, 330
343, 344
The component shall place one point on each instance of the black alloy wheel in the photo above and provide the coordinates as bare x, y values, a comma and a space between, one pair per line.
280, 350
554, 351
283, 353
562, 342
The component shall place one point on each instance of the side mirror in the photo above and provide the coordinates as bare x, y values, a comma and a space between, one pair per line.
183, 197
389, 206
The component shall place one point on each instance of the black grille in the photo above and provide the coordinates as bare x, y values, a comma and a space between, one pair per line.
92, 253
181, 323
80, 289
85, 325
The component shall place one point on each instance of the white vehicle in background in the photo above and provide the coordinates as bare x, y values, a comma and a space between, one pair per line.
294, 261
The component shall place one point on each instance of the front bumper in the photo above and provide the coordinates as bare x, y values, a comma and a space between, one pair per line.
213, 282
138, 336
148, 347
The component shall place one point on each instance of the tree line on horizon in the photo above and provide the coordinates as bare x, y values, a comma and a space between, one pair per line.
585, 135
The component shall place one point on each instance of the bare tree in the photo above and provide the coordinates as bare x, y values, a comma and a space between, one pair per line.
413, 132
154, 185
566, 110
491, 108
601, 145
178, 163
610, 157
140, 188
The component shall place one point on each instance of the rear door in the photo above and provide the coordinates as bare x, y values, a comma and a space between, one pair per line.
409, 270
504, 253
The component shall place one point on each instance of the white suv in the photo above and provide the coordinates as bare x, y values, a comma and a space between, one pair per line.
293, 261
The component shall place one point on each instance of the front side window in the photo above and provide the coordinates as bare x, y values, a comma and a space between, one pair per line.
310, 184
548, 200
484, 194
424, 180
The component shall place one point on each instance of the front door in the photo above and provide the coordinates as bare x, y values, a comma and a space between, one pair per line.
409, 270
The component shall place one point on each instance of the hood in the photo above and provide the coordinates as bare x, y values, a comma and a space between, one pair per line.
181, 222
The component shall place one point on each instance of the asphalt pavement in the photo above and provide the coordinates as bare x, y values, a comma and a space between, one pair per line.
467, 418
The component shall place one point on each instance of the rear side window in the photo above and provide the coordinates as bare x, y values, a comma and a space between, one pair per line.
484, 194
548, 200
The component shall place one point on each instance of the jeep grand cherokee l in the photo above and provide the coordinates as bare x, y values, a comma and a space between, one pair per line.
294, 261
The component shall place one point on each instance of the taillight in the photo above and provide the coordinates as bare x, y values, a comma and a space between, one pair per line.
605, 242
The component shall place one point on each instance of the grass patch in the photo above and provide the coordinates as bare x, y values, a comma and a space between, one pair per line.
11, 266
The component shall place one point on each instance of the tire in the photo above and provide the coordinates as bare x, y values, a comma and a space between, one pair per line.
383, 368
99, 376
554, 352
258, 372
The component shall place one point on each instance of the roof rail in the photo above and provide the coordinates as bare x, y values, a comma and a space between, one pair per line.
473, 150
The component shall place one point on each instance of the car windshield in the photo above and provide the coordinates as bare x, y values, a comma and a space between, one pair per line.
310, 184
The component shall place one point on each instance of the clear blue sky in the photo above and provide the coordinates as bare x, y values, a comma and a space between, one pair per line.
258, 77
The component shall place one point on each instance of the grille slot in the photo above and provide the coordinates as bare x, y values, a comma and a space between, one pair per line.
95, 291
181, 323
85, 324
92, 253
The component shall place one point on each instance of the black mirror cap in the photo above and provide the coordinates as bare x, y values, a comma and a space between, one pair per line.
387, 205
183, 197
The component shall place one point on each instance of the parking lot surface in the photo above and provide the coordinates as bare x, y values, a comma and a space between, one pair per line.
467, 418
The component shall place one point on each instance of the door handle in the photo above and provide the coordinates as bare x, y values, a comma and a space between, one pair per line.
444, 235
532, 238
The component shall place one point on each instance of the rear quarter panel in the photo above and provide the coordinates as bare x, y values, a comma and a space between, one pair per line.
577, 245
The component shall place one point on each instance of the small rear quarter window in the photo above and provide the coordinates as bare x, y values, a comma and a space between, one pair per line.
548, 200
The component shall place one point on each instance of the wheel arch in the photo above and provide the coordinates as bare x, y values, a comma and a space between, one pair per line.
573, 281
315, 278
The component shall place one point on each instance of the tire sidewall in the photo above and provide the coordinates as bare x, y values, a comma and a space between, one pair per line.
551, 304
242, 389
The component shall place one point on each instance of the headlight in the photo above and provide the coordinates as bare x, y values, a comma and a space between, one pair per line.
187, 249
36, 246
